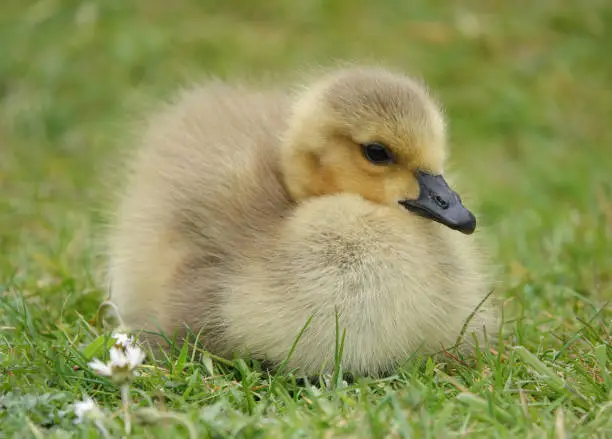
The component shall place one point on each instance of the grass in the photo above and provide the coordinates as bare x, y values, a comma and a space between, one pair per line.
528, 90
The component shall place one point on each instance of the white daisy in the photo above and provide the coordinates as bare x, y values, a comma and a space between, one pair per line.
122, 365
86, 409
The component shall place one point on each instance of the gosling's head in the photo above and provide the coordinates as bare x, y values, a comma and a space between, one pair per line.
374, 133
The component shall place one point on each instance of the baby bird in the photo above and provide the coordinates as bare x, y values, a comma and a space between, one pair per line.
252, 215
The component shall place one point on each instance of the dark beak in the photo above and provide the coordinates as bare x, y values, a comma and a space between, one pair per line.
440, 203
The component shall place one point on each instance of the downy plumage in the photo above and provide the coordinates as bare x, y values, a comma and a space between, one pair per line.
248, 211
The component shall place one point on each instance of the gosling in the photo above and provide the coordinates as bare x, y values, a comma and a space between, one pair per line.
251, 216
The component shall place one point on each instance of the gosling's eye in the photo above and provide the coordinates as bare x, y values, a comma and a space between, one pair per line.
377, 154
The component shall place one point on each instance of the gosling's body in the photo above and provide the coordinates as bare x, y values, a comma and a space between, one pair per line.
220, 232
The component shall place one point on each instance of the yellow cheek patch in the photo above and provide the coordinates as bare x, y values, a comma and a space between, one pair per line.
316, 178
401, 186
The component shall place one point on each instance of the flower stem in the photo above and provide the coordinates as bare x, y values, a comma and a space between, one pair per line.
125, 398
102, 429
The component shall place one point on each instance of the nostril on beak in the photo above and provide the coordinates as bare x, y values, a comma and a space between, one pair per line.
439, 200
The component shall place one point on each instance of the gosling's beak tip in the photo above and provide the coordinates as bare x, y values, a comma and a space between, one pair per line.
467, 226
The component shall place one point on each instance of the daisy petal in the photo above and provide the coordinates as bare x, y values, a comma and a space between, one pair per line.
100, 368
86, 409
135, 356
118, 357
123, 340
82, 407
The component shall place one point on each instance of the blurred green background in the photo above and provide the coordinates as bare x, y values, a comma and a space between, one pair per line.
527, 87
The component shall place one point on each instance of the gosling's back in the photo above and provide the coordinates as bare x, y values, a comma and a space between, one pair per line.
204, 181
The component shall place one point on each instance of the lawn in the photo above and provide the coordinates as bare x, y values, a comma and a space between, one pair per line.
528, 92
